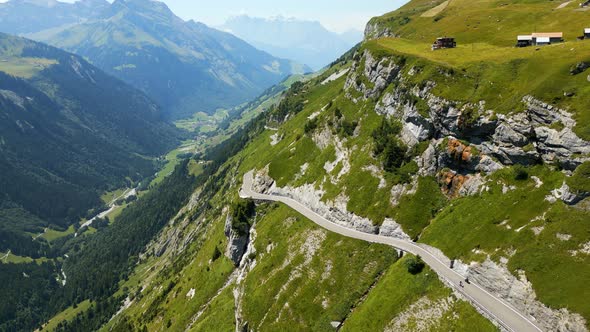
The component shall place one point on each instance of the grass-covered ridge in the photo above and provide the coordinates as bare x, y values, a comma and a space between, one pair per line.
486, 65
495, 22
500, 75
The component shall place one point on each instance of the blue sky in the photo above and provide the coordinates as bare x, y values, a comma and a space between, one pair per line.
337, 15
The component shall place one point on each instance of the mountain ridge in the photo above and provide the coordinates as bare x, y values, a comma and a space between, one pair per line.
186, 67
41, 15
305, 41
69, 128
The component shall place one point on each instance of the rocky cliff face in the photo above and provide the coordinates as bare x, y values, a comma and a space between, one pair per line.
374, 30
237, 243
541, 133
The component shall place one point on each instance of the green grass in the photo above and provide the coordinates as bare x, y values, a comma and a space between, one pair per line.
415, 212
24, 67
195, 168
486, 65
559, 279
299, 283
201, 122
398, 290
489, 223
52, 235
494, 22
111, 196
14, 259
219, 316
580, 181
172, 160
66, 315
501, 75
116, 212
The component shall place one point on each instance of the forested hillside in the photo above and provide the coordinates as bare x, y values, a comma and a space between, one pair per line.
68, 132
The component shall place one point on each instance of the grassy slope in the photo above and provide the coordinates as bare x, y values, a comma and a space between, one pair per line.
498, 224
466, 225
66, 315
398, 289
490, 68
503, 75
25, 67
307, 277
315, 297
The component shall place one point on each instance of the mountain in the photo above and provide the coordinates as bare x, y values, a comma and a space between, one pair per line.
476, 157
186, 67
28, 16
304, 41
68, 132
479, 154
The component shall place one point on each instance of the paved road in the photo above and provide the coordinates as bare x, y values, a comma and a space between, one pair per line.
502, 312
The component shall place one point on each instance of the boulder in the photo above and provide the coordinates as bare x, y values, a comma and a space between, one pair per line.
579, 67
567, 196
472, 186
506, 134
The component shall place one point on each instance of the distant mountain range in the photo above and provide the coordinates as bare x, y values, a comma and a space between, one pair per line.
68, 132
303, 41
186, 67
27, 16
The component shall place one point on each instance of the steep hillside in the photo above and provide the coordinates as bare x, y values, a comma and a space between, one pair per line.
307, 42
476, 157
48, 14
68, 132
186, 67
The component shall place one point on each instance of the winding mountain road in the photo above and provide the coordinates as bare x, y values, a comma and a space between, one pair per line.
502, 312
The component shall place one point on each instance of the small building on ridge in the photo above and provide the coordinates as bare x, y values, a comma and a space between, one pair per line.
546, 38
444, 42
524, 41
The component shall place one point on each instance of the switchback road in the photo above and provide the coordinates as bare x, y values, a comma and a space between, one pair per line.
502, 312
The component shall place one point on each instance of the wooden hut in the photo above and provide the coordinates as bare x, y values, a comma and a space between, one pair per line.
524, 40
546, 38
444, 42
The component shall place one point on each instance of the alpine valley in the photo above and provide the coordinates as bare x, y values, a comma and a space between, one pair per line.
399, 189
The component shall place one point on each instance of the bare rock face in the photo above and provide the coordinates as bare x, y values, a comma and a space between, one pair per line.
392, 229
488, 165
567, 196
562, 145
519, 292
262, 181
335, 211
378, 72
508, 135
374, 30
237, 243
555, 139
416, 128
472, 186
428, 161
